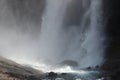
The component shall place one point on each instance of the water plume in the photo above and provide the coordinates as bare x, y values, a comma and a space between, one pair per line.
69, 31
82, 43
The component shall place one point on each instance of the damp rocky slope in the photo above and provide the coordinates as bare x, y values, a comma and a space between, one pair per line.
9, 70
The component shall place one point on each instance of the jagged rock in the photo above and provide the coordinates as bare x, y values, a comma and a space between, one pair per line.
52, 75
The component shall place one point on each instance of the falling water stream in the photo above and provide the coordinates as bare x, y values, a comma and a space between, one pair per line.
82, 43
68, 32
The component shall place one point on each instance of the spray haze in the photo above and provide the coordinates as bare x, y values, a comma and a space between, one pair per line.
58, 31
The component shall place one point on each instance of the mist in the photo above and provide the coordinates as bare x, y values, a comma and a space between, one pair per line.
52, 31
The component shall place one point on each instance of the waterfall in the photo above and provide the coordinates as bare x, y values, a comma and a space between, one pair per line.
82, 43
51, 29
65, 32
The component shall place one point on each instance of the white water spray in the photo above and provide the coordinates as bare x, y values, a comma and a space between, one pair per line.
82, 43
57, 42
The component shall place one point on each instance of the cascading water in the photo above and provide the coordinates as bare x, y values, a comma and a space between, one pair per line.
81, 43
60, 39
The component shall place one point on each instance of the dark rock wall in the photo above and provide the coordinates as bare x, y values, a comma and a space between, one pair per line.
112, 15
113, 28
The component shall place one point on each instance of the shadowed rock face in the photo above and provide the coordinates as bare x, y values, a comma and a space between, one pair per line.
112, 12
113, 29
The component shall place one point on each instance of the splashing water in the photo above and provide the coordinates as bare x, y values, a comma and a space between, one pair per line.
70, 30
82, 43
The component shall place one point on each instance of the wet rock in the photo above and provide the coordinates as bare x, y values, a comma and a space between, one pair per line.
97, 67
69, 63
52, 75
63, 74
89, 68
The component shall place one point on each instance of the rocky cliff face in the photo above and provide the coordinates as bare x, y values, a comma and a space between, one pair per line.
112, 14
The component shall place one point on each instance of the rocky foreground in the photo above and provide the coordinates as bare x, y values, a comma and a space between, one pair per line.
9, 70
